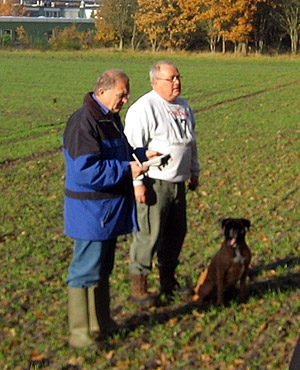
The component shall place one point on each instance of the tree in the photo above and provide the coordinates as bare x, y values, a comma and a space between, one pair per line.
288, 16
231, 20
151, 20
114, 21
167, 23
244, 11
22, 36
8, 7
71, 38
265, 31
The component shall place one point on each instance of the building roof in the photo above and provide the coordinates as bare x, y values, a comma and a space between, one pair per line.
45, 20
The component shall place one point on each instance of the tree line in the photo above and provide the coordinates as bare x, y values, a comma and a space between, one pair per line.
215, 25
200, 24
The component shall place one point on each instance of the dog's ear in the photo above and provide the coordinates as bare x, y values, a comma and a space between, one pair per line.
223, 222
246, 223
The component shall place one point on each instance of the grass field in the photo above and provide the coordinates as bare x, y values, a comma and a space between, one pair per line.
248, 116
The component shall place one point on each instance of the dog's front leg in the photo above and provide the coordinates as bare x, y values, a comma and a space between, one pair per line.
220, 286
200, 282
243, 285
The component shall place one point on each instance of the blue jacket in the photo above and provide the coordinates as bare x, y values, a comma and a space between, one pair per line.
99, 196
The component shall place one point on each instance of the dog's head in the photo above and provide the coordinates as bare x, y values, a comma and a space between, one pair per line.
235, 229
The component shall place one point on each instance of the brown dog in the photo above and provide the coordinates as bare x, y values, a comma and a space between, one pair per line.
229, 265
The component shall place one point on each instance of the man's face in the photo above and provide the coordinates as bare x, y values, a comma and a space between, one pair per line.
115, 97
167, 82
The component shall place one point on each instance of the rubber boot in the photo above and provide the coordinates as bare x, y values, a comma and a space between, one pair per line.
93, 320
107, 325
78, 318
139, 292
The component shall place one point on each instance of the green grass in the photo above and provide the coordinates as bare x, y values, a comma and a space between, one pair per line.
247, 112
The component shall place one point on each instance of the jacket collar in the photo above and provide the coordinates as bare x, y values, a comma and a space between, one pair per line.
95, 108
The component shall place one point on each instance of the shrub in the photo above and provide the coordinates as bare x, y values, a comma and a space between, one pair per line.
5, 40
22, 36
71, 38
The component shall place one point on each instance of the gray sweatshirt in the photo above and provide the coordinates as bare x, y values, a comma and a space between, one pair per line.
167, 128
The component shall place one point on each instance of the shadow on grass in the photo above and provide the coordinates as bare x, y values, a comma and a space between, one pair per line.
288, 282
289, 262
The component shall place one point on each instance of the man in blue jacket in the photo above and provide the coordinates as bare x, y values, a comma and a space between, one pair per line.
99, 202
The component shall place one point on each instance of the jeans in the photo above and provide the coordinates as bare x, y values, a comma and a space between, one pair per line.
92, 260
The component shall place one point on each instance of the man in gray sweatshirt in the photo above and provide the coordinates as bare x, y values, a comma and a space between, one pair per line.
162, 121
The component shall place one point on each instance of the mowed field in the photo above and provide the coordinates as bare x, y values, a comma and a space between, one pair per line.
248, 115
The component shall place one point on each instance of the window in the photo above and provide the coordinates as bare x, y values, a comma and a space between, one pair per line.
52, 13
50, 33
8, 33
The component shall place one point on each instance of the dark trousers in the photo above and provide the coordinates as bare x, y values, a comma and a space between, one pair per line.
295, 362
162, 223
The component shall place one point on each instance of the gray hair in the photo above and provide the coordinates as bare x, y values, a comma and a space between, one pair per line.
155, 69
109, 78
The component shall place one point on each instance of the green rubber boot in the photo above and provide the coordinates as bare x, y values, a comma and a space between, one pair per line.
93, 320
106, 324
78, 318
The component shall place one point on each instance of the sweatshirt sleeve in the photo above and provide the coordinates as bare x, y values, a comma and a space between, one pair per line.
195, 165
136, 126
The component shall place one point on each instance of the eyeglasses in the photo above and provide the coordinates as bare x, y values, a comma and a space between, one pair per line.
123, 96
172, 79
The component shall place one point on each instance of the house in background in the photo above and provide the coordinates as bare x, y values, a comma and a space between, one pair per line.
41, 29
66, 9
44, 16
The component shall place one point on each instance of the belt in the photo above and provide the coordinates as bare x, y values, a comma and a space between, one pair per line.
82, 195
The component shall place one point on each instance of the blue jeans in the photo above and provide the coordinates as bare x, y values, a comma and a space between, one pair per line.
92, 261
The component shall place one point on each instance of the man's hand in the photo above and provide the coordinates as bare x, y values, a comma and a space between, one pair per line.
151, 154
140, 193
194, 182
136, 170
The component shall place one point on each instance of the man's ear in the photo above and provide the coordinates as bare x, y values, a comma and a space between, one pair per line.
100, 92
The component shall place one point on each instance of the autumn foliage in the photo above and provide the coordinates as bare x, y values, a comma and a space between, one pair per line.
71, 38
231, 20
8, 8
114, 21
170, 24
22, 36
166, 23
234, 25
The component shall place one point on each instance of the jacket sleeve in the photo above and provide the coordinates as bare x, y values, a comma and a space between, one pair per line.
94, 172
92, 164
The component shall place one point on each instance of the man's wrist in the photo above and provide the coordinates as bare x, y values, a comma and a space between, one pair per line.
138, 181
